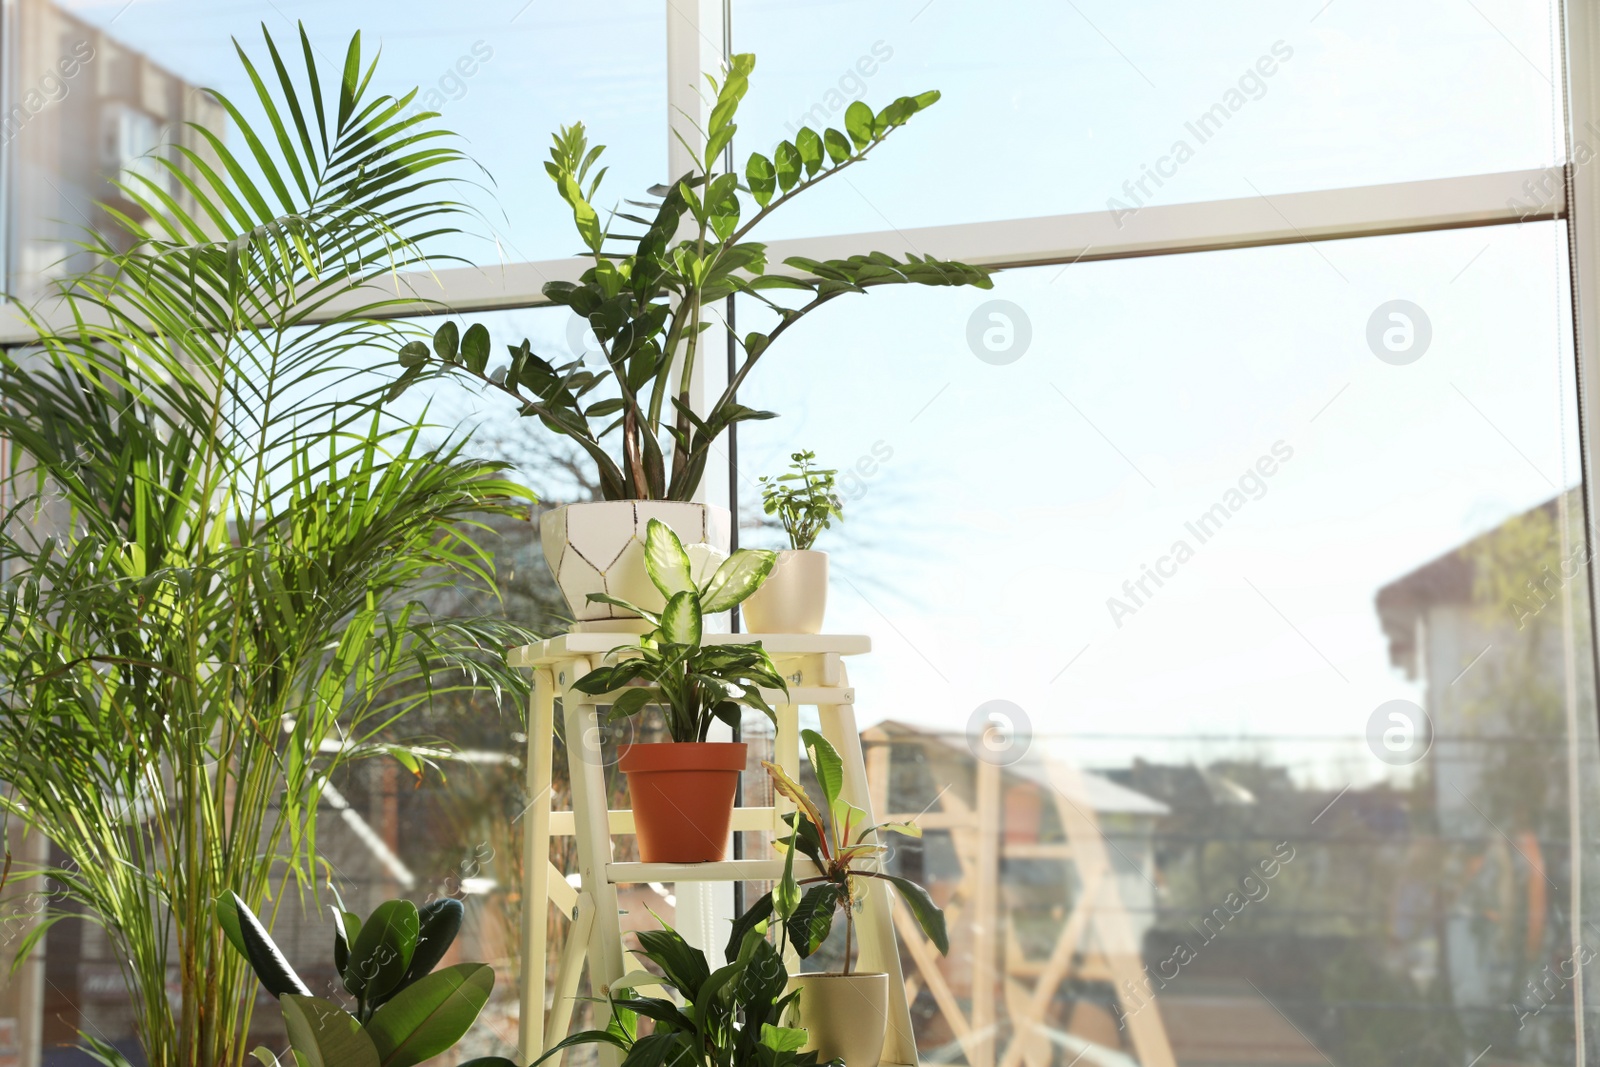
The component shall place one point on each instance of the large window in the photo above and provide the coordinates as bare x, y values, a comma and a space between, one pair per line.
1231, 610
1237, 562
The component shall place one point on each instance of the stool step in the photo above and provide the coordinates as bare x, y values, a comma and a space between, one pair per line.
724, 871
563, 823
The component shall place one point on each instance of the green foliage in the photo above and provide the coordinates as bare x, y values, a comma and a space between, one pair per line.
803, 499
650, 294
728, 1017
843, 851
693, 683
405, 1011
229, 609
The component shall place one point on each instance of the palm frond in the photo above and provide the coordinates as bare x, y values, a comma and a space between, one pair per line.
233, 601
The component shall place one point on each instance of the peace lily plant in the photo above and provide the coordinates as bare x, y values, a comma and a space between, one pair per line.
661, 268
732, 1016
683, 792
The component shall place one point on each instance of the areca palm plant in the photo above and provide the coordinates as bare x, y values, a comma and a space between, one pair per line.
229, 605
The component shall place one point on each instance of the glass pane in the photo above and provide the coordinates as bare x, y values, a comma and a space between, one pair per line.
100, 84
1230, 628
1069, 107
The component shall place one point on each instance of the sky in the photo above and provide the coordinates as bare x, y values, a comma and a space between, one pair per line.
1009, 501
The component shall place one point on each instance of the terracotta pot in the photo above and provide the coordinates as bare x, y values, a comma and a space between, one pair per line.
598, 547
682, 798
844, 1015
794, 597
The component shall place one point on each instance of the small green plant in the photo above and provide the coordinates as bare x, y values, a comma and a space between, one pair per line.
693, 683
405, 1011
729, 1017
839, 845
803, 500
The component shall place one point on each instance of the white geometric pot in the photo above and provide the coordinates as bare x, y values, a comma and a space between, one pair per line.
794, 597
598, 547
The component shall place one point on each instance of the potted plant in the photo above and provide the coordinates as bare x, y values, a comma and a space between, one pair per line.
683, 791
844, 1013
728, 1017
794, 598
405, 1011
649, 297
225, 602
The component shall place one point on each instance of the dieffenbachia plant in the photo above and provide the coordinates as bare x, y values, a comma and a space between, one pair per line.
693, 683
650, 296
834, 836
405, 1011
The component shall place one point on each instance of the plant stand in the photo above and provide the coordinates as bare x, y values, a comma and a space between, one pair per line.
813, 665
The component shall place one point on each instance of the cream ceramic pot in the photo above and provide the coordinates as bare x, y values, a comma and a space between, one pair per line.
598, 547
793, 599
844, 1015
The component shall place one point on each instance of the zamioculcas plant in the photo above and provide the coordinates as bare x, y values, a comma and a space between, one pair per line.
652, 293
405, 1011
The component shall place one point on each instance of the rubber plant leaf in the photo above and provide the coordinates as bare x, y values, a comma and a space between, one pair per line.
430, 1015
228, 919
341, 941
382, 951
438, 923
265, 959
325, 1035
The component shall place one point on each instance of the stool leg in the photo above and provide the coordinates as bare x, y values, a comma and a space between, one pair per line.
536, 863
591, 815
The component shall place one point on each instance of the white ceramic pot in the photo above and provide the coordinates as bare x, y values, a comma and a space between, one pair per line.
598, 547
793, 599
844, 1015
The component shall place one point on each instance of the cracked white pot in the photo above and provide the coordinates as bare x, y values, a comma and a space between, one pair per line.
598, 547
